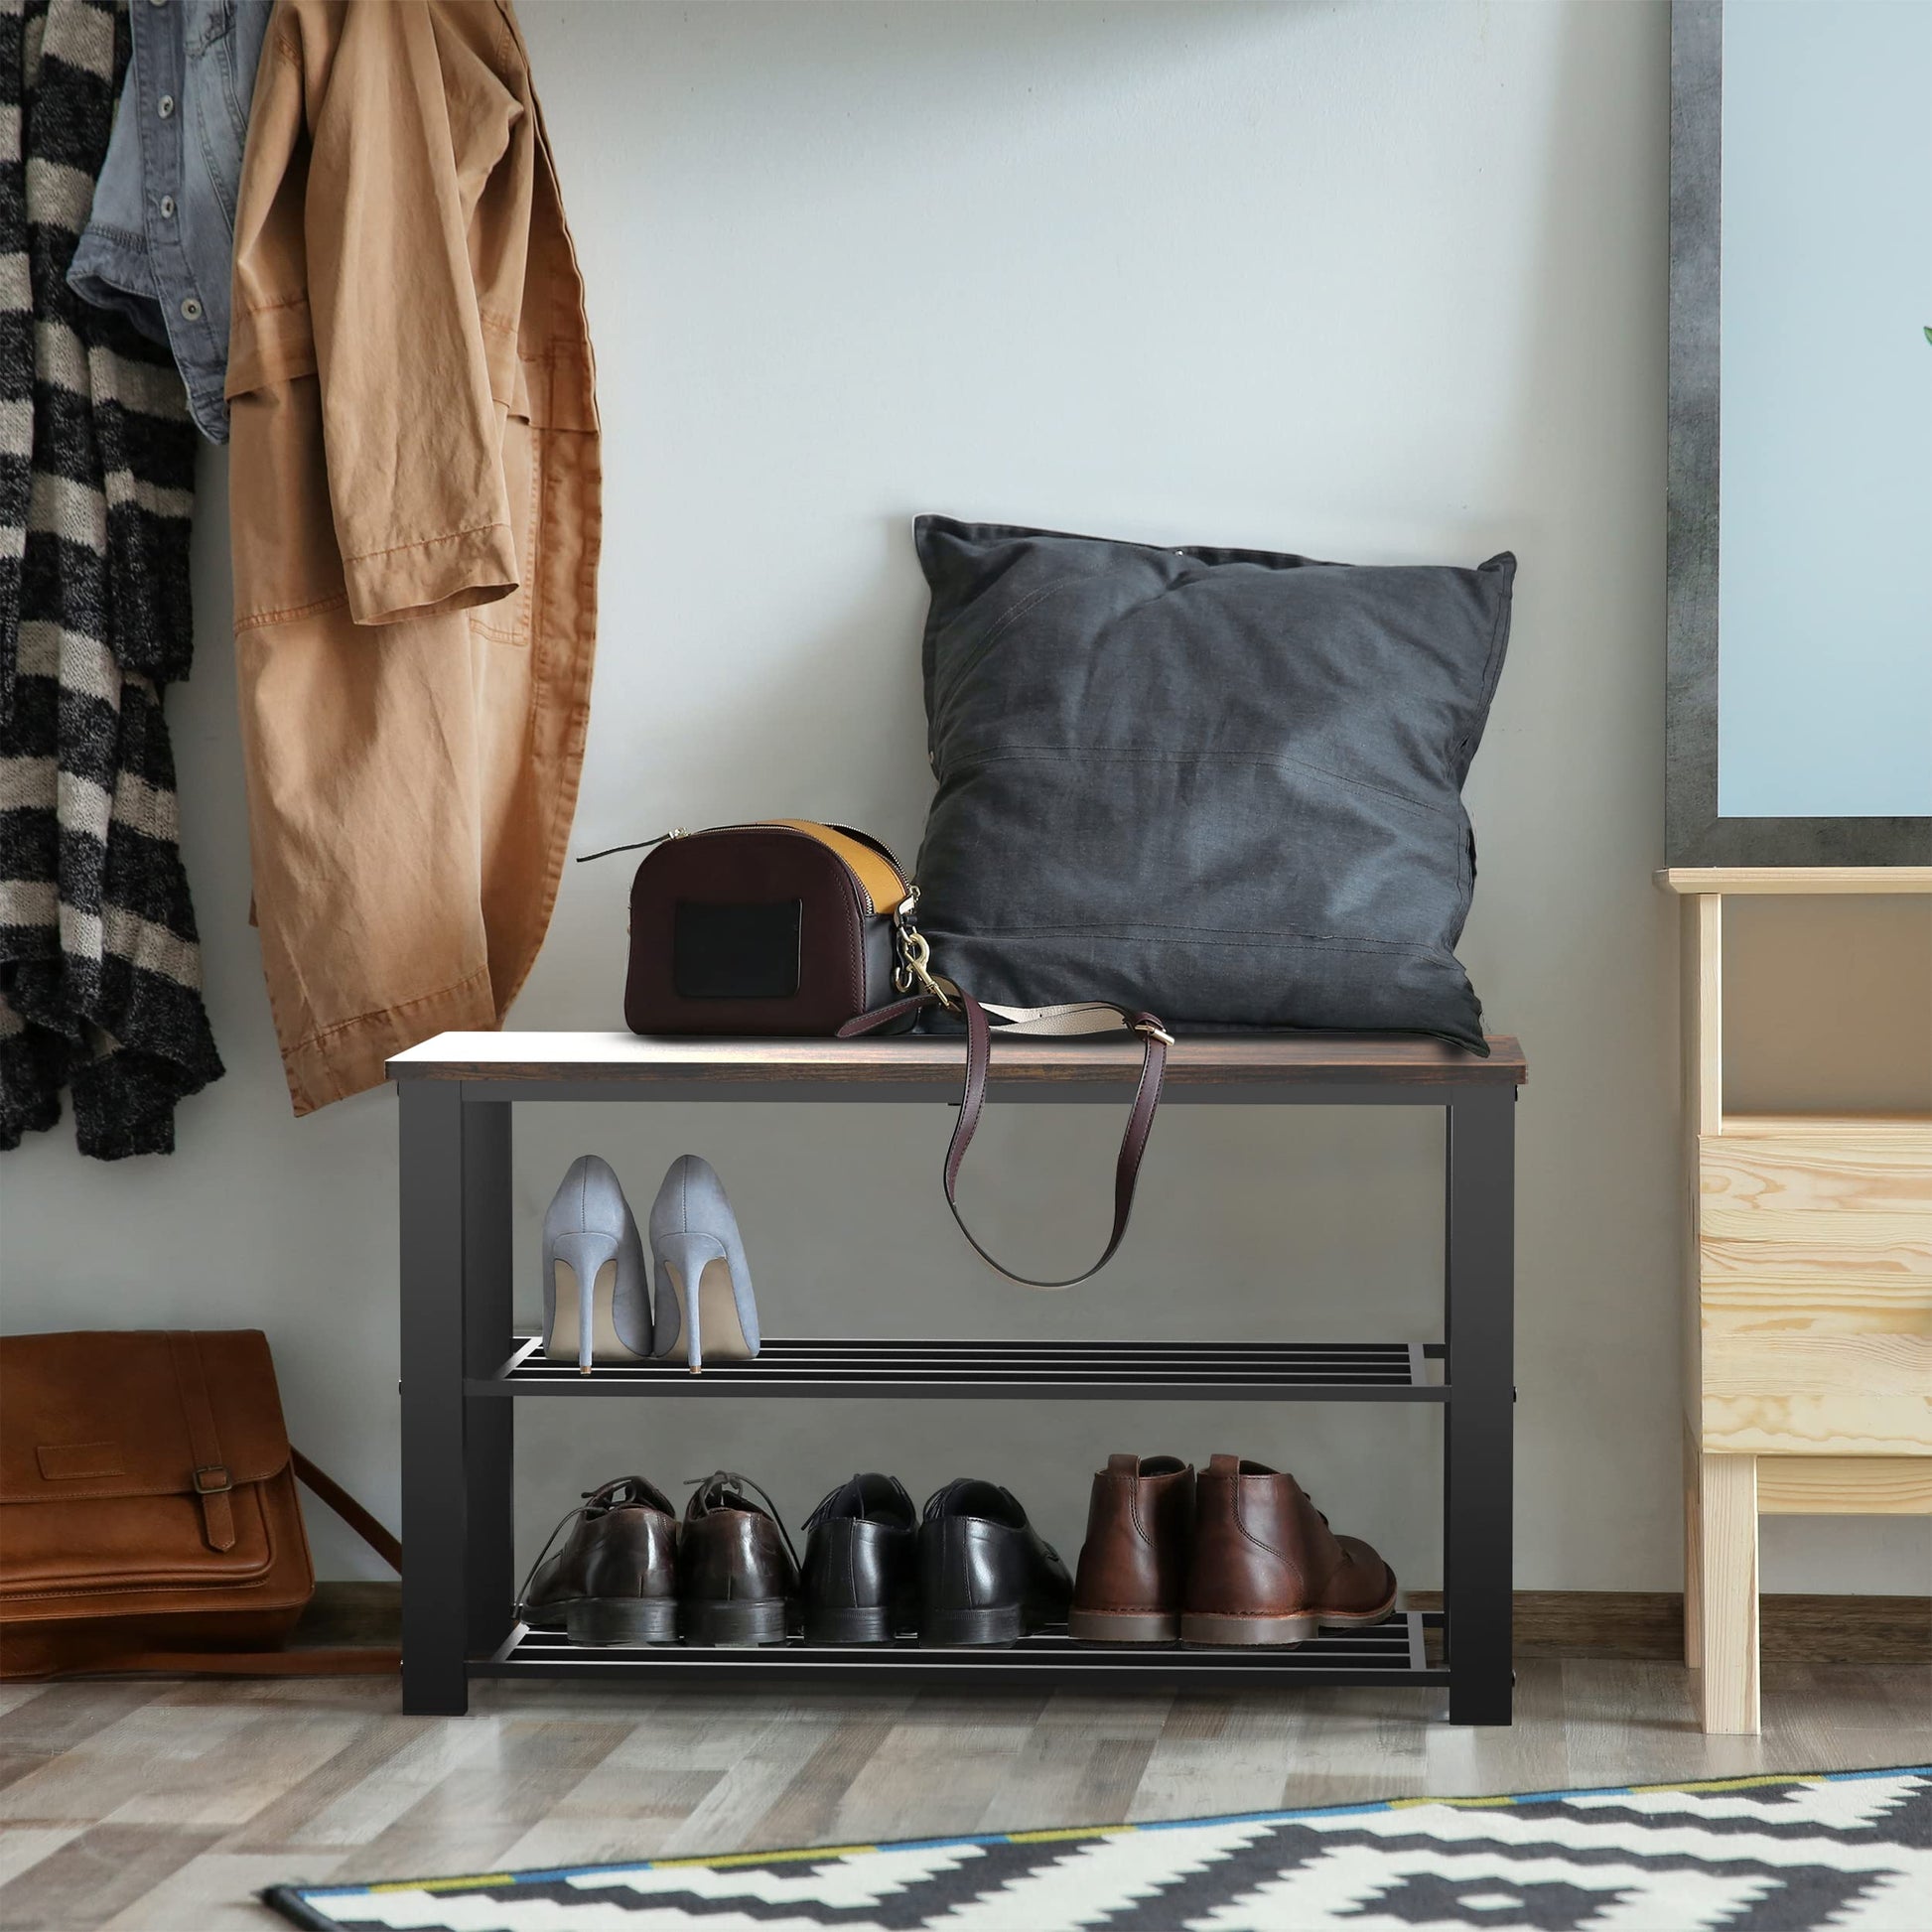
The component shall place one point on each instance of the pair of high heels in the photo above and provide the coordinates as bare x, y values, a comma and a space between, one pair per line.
597, 1291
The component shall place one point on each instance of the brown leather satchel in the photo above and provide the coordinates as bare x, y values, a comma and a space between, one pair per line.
795, 929
148, 1511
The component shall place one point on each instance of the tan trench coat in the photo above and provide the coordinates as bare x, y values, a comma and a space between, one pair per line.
415, 513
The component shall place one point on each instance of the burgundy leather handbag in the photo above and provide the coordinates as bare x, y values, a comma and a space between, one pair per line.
789, 928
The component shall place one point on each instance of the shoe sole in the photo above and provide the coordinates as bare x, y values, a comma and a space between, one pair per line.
845, 1624
748, 1620
621, 1620
1002, 1624
1215, 1631
1124, 1627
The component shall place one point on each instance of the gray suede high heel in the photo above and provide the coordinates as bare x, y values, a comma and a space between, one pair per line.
704, 1283
596, 1290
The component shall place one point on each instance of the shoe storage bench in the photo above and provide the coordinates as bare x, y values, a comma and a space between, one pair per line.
463, 1368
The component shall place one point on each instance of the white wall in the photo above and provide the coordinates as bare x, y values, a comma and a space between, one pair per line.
1371, 281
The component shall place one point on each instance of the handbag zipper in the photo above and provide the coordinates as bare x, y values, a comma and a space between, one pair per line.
859, 893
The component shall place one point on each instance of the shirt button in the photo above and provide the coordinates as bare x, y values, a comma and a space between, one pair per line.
166, 200
192, 310
166, 105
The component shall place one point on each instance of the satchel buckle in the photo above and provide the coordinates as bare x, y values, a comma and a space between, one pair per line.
1149, 1028
212, 1480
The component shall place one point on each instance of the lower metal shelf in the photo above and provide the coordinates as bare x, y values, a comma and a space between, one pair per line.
1395, 1652
1295, 1371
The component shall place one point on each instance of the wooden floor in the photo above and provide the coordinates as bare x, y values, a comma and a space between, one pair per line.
161, 1807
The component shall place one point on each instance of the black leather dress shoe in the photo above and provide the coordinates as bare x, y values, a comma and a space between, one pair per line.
986, 1575
862, 1563
737, 1579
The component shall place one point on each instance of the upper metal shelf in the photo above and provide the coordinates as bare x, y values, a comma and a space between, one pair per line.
1261, 1371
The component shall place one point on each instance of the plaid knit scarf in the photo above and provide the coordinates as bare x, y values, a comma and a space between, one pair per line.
99, 963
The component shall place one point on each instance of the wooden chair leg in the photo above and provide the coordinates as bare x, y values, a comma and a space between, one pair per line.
1692, 1555
1727, 1588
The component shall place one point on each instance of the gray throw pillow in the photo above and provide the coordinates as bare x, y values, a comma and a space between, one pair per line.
1223, 786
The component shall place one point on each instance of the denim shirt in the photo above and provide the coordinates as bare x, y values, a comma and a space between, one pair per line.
160, 245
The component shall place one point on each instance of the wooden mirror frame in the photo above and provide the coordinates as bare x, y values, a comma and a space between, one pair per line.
1694, 832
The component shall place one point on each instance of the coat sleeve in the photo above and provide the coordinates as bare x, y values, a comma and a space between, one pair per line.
409, 125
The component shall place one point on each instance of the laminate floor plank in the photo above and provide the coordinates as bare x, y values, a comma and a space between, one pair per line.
811, 1808
404, 1760
46, 1719
215, 1893
577, 1834
1228, 1752
487, 1801
1346, 1749
941, 1766
95, 1875
140, 1750
151, 1807
689, 1757
1085, 1757
778, 1758
375, 1769
226, 1788
1852, 1700
24, 1846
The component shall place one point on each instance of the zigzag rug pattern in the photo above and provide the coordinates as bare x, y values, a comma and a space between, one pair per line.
1850, 1852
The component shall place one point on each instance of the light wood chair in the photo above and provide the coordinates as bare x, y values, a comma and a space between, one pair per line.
1808, 1305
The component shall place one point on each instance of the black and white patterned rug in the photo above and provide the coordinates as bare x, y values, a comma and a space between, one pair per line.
1851, 1850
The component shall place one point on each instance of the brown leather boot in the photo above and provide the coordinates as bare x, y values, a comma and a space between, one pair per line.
614, 1581
1266, 1566
1133, 1563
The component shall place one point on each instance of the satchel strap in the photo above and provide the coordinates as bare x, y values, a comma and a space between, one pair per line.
1065, 1021
210, 1476
348, 1509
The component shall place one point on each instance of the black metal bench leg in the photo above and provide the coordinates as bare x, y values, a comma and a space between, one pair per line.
489, 1453
435, 1621
1480, 1325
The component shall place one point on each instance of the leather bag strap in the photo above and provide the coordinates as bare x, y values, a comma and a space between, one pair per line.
210, 1476
1076, 1017
348, 1509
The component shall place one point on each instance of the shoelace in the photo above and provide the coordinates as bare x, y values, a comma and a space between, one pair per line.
719, 1479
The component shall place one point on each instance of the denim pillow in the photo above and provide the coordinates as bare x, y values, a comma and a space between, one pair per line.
1223, 786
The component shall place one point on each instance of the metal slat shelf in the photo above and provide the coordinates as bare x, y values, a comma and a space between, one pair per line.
1395, 1652
1261, 1371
